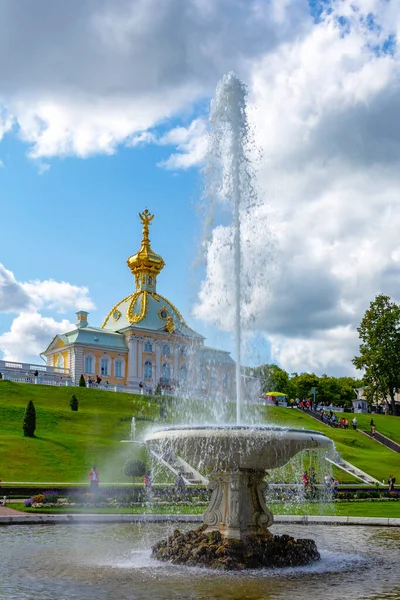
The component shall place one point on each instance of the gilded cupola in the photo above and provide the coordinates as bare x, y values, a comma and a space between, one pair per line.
145, 264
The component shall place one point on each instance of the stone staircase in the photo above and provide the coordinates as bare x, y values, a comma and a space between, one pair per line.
347, 467
382, 439
177, 465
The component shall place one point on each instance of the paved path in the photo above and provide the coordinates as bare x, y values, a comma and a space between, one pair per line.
6, 511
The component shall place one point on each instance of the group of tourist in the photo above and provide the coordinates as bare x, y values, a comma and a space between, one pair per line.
95, 381
330, 418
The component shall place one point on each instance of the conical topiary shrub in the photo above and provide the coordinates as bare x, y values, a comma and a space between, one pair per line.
29, 422
82, 382
74, 402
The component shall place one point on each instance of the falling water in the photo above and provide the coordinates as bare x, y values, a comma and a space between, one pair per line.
133, 429
228, 176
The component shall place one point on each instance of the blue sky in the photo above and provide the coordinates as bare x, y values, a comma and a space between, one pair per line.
103, 112
78, 222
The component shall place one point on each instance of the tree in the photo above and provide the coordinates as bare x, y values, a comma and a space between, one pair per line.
274, 379
302, 385
29, 422
134, 468
379, 333
82, 382
74, 402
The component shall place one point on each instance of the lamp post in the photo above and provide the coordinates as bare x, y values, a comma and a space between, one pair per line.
314, 392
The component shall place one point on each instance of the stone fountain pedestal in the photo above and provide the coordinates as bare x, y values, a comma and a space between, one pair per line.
237, 508
235, 531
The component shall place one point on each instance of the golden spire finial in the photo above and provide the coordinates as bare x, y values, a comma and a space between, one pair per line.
146, 219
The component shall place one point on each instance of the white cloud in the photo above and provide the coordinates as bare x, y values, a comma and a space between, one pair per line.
30, 331
191, 145
87, 76
59, 296
43, 167
29, 335
324, 109
13, 297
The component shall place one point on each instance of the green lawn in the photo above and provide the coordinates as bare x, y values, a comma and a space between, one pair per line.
171, 509
390, 509
350, 509
68, 443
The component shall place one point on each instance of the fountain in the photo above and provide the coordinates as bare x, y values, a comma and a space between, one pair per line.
235, 532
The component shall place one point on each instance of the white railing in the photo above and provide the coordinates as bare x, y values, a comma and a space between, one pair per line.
11, 366
36, 380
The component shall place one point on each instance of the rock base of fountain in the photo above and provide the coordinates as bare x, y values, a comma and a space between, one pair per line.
209, 549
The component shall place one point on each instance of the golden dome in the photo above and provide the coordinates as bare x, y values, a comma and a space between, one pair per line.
146, 261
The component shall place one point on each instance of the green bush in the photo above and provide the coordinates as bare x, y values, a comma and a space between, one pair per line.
74, 402
29, 422
82, 382
134, 468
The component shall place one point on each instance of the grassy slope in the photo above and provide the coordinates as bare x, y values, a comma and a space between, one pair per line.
67, 443
385, 424
354, 447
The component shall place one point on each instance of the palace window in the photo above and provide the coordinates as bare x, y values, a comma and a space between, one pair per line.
204, 376
148, 347
166, 371
118, 368
182, 351
183, 374
225, 381
166, 349
213, 379
60, 362
105, 367
89, 365
148, 369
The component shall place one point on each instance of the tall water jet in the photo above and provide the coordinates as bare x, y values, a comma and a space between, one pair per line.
235, 531
228, 175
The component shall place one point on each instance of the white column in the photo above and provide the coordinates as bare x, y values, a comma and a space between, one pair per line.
140, 360
176, 363
158, 362
131, 365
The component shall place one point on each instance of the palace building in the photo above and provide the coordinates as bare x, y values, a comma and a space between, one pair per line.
144, 340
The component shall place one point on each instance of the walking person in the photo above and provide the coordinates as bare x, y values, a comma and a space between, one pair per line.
94, 479
355, 423
391, 482
147, 482
179, 485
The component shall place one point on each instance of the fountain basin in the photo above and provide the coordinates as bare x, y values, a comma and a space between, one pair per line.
237, 447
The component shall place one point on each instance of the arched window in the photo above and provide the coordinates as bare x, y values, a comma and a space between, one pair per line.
166, 371
148, 369
60, 362
166, 349
213, 379
148, 347
89, 364
105, 363
119, 367
225, 381
183, 374
204, 376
